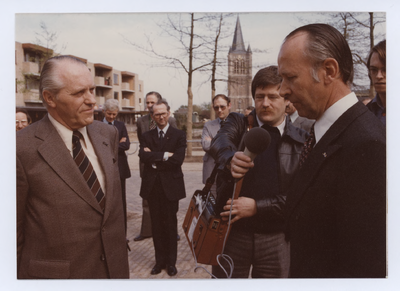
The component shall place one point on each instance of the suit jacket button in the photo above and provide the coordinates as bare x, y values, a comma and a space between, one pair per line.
103, 257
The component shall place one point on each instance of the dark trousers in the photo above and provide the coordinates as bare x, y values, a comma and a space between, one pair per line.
266, 255
164, 225
145, 229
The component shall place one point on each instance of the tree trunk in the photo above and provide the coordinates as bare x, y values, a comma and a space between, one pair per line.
371, 37
189, 122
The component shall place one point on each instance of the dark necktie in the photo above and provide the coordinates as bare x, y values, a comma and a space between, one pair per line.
110, 123
308, 146
161, 135
152, 124
86, 168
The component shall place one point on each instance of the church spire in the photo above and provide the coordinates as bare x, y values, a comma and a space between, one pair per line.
238, 43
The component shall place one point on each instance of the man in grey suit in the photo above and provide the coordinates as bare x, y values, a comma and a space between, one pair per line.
296, 119
144, 124
221, 105
70, 221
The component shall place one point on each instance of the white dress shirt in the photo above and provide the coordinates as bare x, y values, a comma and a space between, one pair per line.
66, 136
280, 127
165, 158
332, 114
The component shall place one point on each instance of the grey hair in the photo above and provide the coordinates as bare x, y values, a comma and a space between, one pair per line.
324, 41
49, 79
159, 102
111, 105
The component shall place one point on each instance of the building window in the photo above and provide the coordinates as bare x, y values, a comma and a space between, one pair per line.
140, 88
116, 79
116, 95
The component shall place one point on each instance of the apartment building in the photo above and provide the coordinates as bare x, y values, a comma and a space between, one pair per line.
124, 86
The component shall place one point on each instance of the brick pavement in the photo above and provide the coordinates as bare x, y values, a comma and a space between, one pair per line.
141, 256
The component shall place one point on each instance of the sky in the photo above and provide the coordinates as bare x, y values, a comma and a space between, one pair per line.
101, 38
259, 31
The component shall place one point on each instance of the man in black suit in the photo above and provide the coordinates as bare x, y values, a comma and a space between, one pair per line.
336, 217
162, 150
110, 110
145, 123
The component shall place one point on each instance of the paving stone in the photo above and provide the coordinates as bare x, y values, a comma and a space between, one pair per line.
141, 257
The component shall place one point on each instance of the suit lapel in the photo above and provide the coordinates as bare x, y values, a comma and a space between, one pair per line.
101, 145
323, 150
57, 156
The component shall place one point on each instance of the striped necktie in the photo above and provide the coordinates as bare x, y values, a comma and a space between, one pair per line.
153, 125
86, 168
308, 146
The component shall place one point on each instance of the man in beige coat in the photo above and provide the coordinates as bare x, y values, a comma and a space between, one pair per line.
62, 230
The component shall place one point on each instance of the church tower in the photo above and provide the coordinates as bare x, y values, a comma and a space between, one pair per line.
239, 72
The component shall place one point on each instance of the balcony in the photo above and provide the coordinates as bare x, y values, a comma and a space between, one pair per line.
126, 104
126, 88
100, 100
32, 96
101, 82
30, 68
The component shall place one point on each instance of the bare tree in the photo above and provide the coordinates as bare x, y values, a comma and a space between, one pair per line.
358, 28
184, 56
366, 24
48, 39
219, 30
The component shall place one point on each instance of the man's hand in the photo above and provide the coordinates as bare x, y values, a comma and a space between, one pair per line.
122, 140
146, 149
170, 154
240, 165
242, 207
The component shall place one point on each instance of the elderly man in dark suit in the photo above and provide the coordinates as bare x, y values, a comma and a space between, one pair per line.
70, 222
110, 110
336, 216
145, 123
162, 150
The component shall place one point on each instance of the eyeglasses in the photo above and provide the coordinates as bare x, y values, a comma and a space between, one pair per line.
216, 108
159, 115
374, 71
23, 122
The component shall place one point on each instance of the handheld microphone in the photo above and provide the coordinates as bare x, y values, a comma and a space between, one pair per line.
256, 141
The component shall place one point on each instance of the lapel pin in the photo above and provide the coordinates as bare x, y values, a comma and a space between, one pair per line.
325, 155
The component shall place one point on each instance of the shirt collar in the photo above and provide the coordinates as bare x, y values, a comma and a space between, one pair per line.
294, 116
332, 114
164, 129
280, 127
66, 133
105, 121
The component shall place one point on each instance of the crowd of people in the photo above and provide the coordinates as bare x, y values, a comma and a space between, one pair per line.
305, 209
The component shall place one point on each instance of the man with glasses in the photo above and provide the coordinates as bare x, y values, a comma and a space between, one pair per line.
256, 242
221, 105
162, 150
377, 73
22, 119
144, 124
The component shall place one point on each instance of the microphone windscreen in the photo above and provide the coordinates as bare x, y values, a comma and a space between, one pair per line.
257, 140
